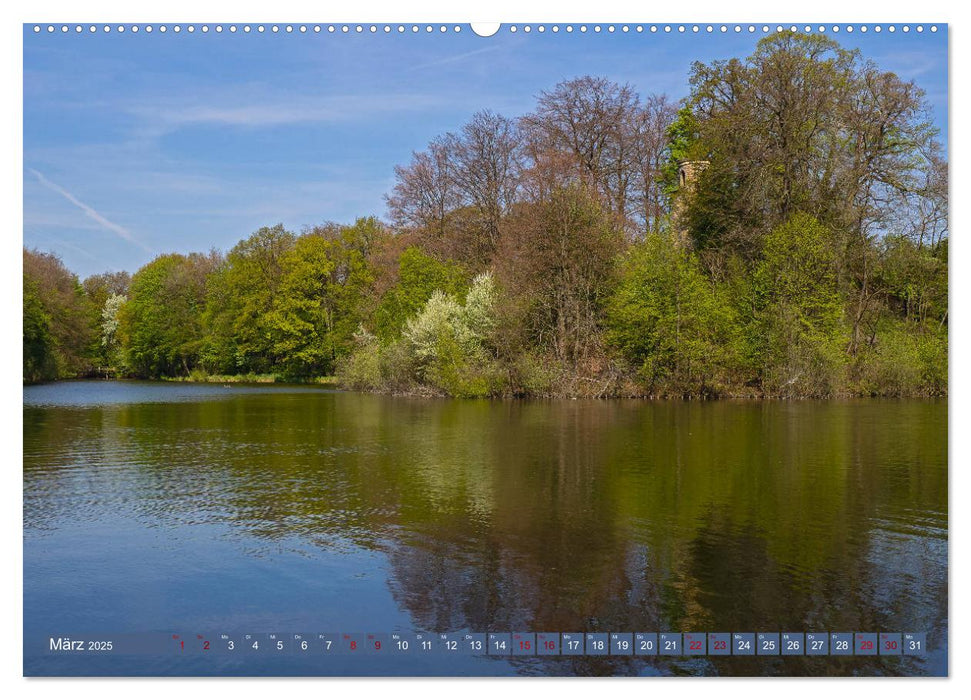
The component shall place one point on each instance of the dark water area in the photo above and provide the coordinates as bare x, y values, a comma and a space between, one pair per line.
195, 508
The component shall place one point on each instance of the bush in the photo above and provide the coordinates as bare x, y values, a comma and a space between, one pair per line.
903, 360
445, 347
361, 369
536, 375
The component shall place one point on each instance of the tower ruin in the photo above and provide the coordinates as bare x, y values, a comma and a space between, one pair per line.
688, 173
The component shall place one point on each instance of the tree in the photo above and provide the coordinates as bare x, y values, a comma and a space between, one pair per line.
40, 361
161, 325
669, 320
802, 125
58, 334
449, 342
557, 266
798, 333
240, 336
425, 191
419, 276
99, 289
326, 278
489, 161
594, 122
649, 160
110, 322
350, 287
298, 320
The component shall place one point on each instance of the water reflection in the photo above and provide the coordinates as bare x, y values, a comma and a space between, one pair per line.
561, 516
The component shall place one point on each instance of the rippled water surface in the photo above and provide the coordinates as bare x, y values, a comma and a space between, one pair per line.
176, 507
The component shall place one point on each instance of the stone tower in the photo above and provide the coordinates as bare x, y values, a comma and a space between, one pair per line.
688, 173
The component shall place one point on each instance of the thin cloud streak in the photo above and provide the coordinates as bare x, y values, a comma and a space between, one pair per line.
453, 59
269, 110
89, 211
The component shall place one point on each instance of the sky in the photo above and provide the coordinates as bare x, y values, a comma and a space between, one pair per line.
139, 144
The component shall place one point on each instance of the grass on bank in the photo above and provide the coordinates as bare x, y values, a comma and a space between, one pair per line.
200, 377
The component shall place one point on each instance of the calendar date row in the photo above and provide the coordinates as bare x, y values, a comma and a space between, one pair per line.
562, 643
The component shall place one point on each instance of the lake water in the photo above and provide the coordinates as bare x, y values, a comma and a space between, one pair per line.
154, 507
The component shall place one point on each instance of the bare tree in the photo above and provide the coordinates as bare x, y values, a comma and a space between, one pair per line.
426, 191
650, 143
591, 119
489, 165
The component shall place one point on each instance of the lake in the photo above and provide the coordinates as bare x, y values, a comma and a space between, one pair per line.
166, 507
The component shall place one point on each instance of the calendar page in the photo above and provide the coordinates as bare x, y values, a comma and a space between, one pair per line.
518, 349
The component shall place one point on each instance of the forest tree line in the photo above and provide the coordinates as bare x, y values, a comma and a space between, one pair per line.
802, 252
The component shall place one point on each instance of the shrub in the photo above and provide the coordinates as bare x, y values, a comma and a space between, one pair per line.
903, 360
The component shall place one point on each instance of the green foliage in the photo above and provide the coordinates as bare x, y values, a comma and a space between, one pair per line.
40, 361
671, 321
59, 335
816, 260
361, 369
446, 347
797, 333
161, 323
325, 279
903, 360
240, 334
535, 374
419, 276
300, 319
683, 144
803, 125
449, 340
914, 277
559, 268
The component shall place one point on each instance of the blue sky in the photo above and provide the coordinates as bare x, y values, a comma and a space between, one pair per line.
140, 144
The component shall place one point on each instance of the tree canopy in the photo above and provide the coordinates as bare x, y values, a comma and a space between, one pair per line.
782, 231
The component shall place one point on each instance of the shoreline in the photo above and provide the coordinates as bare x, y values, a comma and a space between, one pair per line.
334, 384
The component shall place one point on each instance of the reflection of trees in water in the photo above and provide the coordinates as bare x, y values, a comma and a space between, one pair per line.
560, 516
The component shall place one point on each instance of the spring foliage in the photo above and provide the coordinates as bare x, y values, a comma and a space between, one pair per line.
562, 253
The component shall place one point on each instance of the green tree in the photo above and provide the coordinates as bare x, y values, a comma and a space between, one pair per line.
802, 125
161, 324
668, 319
557, 270
301, 317
39, 360
53, 292
350, 286
240, 335
682, 145
798, 335
419, 276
